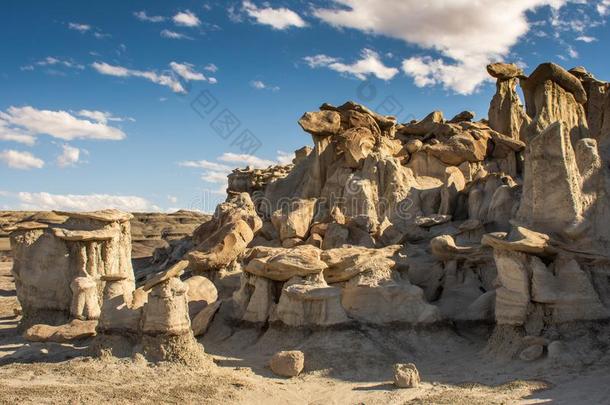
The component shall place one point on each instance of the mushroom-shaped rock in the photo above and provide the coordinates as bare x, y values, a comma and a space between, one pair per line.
288, 363
166, 311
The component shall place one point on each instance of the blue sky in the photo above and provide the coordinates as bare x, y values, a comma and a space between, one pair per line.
96, 99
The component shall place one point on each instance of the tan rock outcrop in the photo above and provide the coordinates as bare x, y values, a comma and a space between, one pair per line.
59, 265
220, 241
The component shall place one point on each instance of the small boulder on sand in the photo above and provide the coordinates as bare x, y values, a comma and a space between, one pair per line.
406, 375
288, 363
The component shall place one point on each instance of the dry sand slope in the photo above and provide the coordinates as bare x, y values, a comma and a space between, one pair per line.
346, 366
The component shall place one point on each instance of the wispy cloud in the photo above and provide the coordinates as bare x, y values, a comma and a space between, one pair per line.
187, 71
277, 18
120, 71
369, 64
79, 27
142, 16
585, 38
173, 35
20, 160
53, 61
210, 67
102, 116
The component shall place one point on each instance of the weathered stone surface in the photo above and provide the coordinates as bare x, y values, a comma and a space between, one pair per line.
283, 264
321, 123
406, 375
513, 295
356, 144
381, 301
201, 322
201, 292
310, 303
552, 198
287, 363
220, 241
74, 330
345, 263
85, 301
294, 219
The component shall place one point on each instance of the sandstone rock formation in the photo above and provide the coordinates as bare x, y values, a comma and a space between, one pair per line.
499, 220
59, 265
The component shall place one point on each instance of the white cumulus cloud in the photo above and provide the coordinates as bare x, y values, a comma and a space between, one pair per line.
467, 34
30, 121
70, 156
278, 18
20, 160
186, 19
369, 64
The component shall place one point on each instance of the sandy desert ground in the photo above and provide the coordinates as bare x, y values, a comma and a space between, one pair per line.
343, 366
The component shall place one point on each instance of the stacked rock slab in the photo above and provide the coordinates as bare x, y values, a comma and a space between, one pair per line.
59, 267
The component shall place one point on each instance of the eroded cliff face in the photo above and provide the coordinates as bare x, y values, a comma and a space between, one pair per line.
504, 220
437, 219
